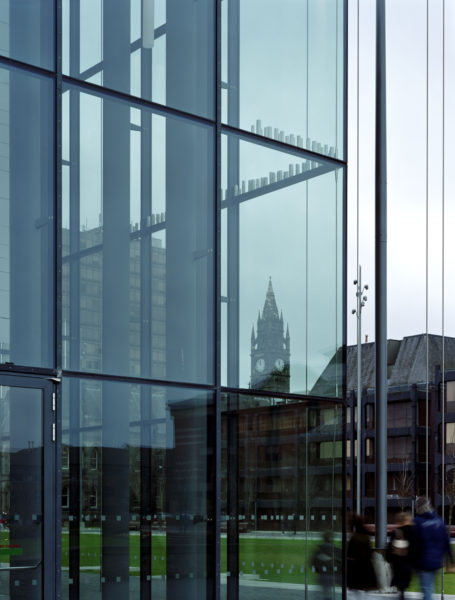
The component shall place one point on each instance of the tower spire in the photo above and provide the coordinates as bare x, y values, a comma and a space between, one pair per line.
270, 307
270, 348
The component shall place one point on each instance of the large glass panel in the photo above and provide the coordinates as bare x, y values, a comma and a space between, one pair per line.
283, 71
137, 486
282, 490
26, 219
138, 260
282, 270
27, 31
160, 50
21, 493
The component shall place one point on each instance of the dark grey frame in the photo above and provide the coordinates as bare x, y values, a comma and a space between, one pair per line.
50, 493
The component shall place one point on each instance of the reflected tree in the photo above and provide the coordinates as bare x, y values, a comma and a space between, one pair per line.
404, 483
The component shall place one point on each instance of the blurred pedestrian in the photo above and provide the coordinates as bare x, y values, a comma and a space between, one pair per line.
432, 544
360, 571
400, 551
327, 564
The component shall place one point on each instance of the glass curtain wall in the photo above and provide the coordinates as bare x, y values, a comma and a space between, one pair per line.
137, 237
172, 245
282, 496
26, 218
137, 480
282, 304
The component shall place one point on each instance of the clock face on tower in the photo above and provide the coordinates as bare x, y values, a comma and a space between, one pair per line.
279, 364
260, 365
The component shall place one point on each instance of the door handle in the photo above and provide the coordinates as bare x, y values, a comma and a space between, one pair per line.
24, 568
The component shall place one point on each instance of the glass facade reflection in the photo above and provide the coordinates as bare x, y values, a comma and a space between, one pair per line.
27, 218
159, 50
283, 70
172, 265
137, 237
282, 207
282, 482
138, 490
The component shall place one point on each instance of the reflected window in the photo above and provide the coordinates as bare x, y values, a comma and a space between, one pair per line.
421, 448
450, 395
369, 415
450, 439
369, 450
91, 459
399, 414
65, 457
422, 404
65, 497
399, 449
370, 485
93, 498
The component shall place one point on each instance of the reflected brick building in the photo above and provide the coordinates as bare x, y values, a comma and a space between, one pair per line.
414, 418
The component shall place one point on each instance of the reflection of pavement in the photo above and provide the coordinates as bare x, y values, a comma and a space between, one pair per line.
249, 590
408, 595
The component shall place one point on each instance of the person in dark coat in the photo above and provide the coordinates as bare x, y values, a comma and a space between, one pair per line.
400, 552
432, 544
360, 571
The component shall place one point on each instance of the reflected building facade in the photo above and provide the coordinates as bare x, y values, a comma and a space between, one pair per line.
420, 423
154, 176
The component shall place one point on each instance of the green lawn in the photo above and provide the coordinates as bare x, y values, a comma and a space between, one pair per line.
276, 559
270, 559
281, 560
90, 552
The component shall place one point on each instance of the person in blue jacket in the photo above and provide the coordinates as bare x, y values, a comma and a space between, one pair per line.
432, 545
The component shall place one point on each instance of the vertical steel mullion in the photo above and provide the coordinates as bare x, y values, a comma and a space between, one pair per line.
74, 439
74, 488
381, 278
74, 194
51, 560
233, 241
344, 507
146, 291
54, 562
116, 177
217, 299
344, 300
344, 306
233, 59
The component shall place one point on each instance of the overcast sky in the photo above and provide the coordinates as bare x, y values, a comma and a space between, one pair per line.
407, 141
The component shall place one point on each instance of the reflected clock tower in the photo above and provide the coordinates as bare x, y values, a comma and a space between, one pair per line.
270, 348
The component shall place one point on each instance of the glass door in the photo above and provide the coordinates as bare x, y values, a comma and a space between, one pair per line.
27, 488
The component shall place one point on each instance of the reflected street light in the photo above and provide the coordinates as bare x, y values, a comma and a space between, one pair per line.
361, 301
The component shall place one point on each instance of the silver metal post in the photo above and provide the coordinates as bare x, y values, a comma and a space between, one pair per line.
381, 279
